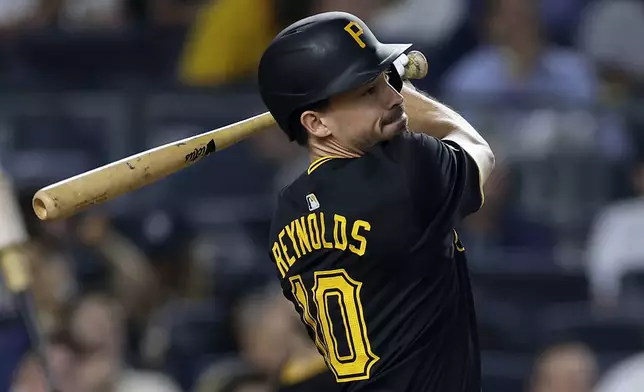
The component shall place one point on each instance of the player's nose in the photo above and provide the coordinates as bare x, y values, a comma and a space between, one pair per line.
394, 97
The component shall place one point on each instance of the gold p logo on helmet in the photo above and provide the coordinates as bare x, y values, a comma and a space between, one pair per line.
355, 31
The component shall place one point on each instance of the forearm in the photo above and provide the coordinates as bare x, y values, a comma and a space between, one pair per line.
427, 115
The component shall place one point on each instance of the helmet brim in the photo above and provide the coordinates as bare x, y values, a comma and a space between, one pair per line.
390, 52
359, 74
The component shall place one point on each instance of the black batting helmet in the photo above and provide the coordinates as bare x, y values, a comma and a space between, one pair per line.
318, 57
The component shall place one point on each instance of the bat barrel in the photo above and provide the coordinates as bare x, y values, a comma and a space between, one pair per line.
67, 197
70, 196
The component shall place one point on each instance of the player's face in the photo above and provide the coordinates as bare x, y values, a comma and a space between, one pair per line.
367, 115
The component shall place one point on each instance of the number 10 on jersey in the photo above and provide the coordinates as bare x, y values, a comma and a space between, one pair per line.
336, 287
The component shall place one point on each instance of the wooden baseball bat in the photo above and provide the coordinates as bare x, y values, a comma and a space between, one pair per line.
70, 196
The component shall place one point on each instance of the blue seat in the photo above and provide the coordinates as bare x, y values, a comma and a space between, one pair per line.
505, 326
60, 132
109, 58
33, 167
501, 383
196, 331
618, 333
532, 288
505, 371
632, 287
14, 344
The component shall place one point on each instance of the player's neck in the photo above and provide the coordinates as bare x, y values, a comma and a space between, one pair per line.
318, 149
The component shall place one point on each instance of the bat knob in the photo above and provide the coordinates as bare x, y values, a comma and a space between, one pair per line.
416, 67
41, 205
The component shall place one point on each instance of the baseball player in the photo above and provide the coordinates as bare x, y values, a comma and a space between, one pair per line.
363, 241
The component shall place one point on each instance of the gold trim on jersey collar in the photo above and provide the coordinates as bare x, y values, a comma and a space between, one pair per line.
318, 162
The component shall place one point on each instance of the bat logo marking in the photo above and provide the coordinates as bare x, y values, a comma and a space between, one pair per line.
201, 152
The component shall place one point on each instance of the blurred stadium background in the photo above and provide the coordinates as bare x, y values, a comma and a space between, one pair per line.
171, 289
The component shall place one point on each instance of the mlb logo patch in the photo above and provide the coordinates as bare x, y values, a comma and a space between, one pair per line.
312, 201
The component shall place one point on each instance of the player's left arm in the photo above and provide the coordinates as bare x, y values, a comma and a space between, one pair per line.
445, 163
443, 180
429, 116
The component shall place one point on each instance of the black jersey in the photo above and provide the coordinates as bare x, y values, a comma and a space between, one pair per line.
365, 249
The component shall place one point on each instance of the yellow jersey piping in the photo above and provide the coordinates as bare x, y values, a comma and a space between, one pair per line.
318, 162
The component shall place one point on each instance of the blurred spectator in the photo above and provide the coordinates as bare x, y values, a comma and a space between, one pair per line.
231, 375
54, 284
363, 9
262, 322
97, 324
71, 14
223, 48
519, 65
16, 16
499, 228
64, 354
420, 21
561, 18
625, 376
16, 13
289, 159
611, 34
171, 12
164, 243
567, 367
613, 248
305, 368
263, 326
273, 341
130, 276
95, 14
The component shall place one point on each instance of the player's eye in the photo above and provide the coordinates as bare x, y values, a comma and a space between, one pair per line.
370, 91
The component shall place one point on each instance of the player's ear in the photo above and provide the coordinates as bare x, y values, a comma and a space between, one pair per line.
314, 122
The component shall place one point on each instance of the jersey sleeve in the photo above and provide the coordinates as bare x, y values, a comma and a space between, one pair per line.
442, 178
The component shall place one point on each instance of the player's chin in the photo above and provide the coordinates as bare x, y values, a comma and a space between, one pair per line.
397, 127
